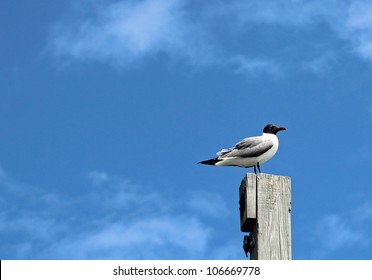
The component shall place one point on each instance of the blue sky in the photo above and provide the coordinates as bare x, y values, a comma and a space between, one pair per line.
106, 106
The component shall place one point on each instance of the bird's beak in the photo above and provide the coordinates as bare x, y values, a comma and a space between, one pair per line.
281, 128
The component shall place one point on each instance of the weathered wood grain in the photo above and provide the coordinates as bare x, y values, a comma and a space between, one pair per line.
272, 224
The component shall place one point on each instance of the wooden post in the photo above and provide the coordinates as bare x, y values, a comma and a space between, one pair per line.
265, 208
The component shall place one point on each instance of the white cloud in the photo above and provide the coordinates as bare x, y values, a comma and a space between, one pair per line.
113, 192
123, 32
335, 233
98, 177
358, 27
112, 219
293, 13
147, 238
320, 64
255, 67
6, 182
339, 232
363, 213
350, 20
360, 15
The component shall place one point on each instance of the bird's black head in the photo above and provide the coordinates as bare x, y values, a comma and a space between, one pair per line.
272, 129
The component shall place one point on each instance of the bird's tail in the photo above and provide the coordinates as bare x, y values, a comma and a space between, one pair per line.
212, 161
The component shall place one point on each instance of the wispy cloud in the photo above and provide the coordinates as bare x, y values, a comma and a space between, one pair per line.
112, 219
162, 237
320, 64
127, 32
293, 13
334, 233
338, 232
350, 20
6, 182
98, 177
255, 67
363, 213
358, 27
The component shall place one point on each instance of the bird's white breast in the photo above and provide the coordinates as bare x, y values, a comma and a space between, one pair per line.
270, 153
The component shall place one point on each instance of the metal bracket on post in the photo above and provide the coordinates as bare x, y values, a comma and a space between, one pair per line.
248, 244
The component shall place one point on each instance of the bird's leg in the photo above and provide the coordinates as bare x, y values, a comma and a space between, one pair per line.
258, 166
259, 171
255, 171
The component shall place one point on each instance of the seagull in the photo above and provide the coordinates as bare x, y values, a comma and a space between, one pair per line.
251, 151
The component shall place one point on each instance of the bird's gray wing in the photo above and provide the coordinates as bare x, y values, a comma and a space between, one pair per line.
248, 147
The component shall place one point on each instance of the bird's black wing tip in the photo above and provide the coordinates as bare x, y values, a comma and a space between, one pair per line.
212, 161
